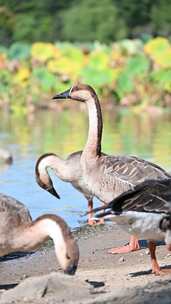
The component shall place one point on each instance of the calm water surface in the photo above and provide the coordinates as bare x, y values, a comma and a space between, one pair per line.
64, 132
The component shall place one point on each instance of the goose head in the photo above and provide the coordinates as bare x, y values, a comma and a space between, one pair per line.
80, 92
42, 177
66, 247
67, 253
71, 257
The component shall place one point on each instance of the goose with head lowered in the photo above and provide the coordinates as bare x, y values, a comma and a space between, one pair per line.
68, 170
144, 211
107, 176
19, 233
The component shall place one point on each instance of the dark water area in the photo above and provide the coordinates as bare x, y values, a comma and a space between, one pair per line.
27, 137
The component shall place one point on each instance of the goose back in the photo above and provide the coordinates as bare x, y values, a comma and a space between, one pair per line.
13, 215
13, 212
112, 175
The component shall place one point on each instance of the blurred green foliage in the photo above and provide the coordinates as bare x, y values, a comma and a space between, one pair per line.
128, 72
93, 20
82, 20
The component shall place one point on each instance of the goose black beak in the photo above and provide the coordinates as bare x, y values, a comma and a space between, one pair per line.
53, 192
64, 95
71, 270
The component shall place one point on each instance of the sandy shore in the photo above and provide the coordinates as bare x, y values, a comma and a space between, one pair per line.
101, 277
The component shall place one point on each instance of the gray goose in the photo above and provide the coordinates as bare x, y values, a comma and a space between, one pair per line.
108, 176
19, 233
144, 211
68, 170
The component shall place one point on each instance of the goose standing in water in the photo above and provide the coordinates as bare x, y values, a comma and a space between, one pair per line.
146, 212
19, 233
107, 176
68, 170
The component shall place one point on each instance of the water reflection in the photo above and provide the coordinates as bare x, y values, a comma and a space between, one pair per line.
64, 132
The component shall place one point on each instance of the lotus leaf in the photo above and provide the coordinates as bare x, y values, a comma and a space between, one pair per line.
96, 77
19, 51
44, 51
125, 84
137, 66
70, 51
156, 46
99, 59
130, 47
65, 66
164, 59
117, 58
22, 75
163, 79
46, 79
5, 81
159, 50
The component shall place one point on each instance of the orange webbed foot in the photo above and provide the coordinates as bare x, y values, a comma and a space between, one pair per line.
122, 249
93, 222
161, 272
132, 246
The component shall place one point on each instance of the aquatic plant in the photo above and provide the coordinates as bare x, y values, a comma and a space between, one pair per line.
128, 71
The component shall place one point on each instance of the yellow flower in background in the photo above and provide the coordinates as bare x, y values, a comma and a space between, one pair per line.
22, 75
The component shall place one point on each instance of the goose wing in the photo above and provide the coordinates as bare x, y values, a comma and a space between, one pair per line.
132, 169
150, 196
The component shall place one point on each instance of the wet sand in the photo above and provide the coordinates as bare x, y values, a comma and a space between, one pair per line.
100, 278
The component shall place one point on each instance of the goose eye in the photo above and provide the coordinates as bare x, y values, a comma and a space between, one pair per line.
68, 257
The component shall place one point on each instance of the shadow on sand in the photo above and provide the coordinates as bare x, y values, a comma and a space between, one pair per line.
147, 272
15, 255
8, 286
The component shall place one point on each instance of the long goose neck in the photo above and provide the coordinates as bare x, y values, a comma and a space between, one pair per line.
93, 145
58, 164
33, 235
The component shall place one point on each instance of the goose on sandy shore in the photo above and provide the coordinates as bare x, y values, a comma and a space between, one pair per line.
68, 170
144, 211
107, 176
19, 233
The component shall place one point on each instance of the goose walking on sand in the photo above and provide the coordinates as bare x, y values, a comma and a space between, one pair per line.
19, 233
68, 170
107, 176
146, 212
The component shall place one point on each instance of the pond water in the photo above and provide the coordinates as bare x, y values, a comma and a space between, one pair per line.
27, 137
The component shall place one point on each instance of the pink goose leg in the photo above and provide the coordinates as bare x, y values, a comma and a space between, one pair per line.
132, 246
154, 264
90, 215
